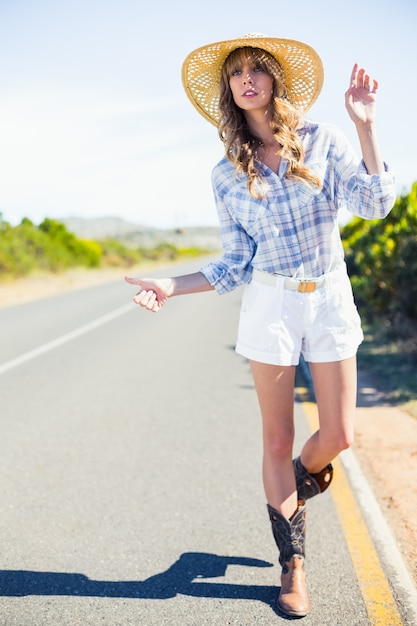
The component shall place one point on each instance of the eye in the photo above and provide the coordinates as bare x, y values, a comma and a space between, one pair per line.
236, 73
258, 68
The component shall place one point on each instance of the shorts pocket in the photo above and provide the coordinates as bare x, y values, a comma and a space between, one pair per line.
260, 315
341, 308
250, 293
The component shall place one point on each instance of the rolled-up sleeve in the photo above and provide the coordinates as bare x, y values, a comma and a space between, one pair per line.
374, 195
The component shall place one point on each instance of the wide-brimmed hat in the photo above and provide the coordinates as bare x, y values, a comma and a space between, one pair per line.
301, 67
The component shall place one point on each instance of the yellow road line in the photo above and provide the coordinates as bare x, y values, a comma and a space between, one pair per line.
373, 584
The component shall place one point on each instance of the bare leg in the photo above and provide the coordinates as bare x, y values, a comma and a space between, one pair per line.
275, 389
335, 387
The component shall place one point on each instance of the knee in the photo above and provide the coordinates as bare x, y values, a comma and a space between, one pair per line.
279, 447
345, 442
346, 436
341, 441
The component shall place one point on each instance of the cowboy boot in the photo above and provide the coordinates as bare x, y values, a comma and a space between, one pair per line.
309, 485
289, 536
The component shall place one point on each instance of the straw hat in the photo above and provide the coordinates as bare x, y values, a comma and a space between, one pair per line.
301, 66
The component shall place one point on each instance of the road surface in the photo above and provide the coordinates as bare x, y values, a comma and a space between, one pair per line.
130, 455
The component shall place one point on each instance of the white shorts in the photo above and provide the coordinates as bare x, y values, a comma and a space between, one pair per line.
278, 323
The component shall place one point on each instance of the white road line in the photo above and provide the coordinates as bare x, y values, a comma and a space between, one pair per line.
56, 343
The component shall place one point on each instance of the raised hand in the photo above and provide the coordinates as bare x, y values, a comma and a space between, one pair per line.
360, 98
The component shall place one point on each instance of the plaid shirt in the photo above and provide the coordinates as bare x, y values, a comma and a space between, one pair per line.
294, 230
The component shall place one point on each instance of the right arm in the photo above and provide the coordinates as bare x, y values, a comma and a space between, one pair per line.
154, 292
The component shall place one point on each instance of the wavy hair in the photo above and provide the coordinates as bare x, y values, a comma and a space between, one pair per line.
240, 144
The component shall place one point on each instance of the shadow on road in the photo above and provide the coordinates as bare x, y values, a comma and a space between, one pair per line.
181, 578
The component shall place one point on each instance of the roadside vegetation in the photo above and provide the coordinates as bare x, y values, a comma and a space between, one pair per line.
50, 247
382, 261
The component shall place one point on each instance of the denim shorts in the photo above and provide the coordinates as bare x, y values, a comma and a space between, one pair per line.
278, 323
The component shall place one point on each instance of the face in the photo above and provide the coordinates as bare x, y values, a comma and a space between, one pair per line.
251, 86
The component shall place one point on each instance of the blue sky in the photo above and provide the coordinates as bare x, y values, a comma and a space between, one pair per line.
94, 121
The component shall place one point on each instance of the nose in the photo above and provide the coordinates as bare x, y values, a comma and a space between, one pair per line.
247, 78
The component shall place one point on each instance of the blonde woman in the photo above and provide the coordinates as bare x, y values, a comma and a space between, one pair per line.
278, 191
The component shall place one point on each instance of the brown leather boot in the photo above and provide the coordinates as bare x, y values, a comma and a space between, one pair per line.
289, 536
293, 598
309, 485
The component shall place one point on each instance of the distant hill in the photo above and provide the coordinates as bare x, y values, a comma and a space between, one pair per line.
135, 235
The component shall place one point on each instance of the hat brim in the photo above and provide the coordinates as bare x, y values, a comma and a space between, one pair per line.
301, 66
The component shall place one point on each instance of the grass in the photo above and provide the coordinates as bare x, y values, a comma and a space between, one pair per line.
389, 354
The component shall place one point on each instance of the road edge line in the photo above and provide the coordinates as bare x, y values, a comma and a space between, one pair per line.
393, 563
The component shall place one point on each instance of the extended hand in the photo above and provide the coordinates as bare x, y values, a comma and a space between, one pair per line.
360, 99
153, 292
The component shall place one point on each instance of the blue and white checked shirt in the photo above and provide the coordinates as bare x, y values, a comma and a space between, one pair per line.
294, 229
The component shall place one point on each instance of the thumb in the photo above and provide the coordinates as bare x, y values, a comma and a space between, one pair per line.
132, 281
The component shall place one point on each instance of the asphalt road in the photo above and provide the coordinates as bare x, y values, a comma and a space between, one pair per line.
130, 456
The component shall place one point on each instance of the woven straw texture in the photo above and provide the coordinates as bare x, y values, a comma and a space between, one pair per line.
301, 66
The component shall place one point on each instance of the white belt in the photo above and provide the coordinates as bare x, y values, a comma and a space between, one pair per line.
296, 284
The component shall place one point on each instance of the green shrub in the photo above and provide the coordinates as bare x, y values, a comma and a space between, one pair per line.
382, 260
63, 249
117, 254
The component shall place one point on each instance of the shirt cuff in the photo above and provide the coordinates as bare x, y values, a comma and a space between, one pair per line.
378, 183
225, 278
216, 277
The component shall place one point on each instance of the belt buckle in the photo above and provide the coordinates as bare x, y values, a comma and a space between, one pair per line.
307, 286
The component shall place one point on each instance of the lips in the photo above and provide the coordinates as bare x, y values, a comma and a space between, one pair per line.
250, 92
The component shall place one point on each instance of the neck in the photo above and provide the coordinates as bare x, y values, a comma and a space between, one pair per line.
259, 125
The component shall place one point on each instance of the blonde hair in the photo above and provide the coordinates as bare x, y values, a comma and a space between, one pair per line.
240, 144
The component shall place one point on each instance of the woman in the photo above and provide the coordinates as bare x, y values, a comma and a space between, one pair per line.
278, 192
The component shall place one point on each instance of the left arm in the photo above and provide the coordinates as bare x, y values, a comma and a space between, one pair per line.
360, 101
